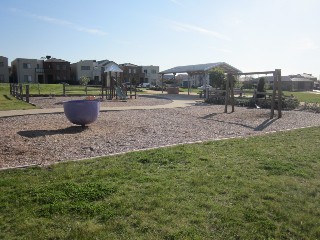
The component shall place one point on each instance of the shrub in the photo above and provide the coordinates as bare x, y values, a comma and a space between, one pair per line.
288, 103
84, 80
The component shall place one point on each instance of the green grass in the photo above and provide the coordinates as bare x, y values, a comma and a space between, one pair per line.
8, 102
264, 187
306, 97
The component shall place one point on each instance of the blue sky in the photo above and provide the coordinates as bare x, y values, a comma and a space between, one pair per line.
251, 35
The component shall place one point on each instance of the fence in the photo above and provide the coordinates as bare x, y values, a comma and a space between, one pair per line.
82, 90
16, 90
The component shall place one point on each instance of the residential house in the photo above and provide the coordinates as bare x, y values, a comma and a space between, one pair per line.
289, 83
56, 70
87, 68
183, 80
132, 73
4, 70
151, 75
23, 70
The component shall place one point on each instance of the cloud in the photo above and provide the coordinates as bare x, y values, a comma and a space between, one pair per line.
176, 2
305, 44
195, 29
60, 22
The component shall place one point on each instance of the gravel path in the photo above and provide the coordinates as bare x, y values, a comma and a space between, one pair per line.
49, 138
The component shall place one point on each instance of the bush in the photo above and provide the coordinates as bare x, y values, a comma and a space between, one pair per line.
288, 103
157, 88
84, 80
311, 107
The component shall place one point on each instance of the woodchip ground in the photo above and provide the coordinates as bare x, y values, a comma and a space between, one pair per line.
49, 138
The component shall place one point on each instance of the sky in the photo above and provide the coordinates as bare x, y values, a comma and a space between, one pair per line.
251, 35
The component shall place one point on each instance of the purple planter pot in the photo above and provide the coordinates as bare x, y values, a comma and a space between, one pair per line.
82, 112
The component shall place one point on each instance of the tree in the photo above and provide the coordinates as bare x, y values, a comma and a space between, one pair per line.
217, 78
260, 87
84, 80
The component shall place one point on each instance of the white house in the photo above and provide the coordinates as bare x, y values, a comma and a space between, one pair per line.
87, 68
151, 74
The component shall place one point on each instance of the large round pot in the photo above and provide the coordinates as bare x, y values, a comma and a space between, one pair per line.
81, 112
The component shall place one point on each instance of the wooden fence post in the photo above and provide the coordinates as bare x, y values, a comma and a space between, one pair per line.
20, 92
27, 93
64, 89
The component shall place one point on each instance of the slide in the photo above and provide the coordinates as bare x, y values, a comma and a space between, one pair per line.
120, 93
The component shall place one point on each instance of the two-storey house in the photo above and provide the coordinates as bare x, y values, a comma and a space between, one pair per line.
151, 75
4, 70
56, 70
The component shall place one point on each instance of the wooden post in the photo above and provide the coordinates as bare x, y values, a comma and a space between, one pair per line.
64, 89
20, 92
232, 90
162, 81
10, 88
278, 71
227, 96
27, 93
101, 90
188, 86
275, 83
86, 90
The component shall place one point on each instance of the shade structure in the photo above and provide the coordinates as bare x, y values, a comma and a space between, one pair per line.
201, 68
112, 67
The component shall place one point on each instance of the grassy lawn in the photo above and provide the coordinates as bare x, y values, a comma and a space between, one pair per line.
264, 187
307, 97
8, 102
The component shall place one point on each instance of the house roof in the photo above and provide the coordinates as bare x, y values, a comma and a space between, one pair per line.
301, 80
201, 68
103, 62
55, 60
283, 79
128, 65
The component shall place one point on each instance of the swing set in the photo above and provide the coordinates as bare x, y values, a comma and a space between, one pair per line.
276, 92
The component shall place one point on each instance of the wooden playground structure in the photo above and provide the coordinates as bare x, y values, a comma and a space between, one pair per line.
276, 92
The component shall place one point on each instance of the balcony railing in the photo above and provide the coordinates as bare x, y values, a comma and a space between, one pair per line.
39, 70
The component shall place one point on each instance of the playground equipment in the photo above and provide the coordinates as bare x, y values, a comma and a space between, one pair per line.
81, 112
120, 93
229, 92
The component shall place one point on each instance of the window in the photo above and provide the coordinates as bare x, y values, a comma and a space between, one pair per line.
145, 71
85, 67
153, 71
64, 67
129, 70
1, 64
58, 67
26, 65
1, 78
38, 66
27, 78
134, 70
